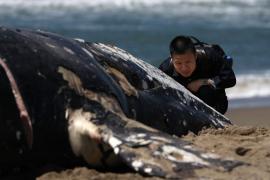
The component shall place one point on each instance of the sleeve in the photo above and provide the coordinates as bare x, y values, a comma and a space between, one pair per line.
166, 66
224, 75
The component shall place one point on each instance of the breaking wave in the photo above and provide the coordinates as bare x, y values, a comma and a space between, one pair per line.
251, 12
250, 86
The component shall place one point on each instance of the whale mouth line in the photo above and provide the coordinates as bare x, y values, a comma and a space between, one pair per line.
24, 115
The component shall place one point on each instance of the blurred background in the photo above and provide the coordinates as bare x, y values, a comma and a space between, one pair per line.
145, 28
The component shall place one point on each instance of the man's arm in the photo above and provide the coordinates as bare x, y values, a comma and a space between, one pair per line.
194, 86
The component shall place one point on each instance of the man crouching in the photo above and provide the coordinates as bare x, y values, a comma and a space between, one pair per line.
203, 69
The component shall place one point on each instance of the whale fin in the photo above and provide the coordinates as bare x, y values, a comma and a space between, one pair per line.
143, 149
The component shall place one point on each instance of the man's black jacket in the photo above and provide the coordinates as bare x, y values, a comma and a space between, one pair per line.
210, 65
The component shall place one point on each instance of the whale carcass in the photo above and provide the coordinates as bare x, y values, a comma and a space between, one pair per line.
70, 101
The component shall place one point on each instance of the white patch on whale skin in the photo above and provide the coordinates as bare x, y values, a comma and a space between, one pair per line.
188, 147
35, 50
140, 135
162, 139
87, 140
148, 170
123, 82
139, 139
116, 150
84, 136
18, 135
68, 50
144, 84
41, 75
114, 50
73, 81
137, 165
79, 40
87, 52
172, 153
114, 142
184, 123
210, 155
50, 45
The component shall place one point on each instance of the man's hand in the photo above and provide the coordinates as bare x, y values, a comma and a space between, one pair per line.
194, 86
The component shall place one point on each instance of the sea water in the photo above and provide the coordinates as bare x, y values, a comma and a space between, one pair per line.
144, 28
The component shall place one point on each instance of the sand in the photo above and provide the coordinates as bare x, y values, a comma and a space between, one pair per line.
247, 141
247, 144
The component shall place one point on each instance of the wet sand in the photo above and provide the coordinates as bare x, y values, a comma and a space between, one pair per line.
252, 116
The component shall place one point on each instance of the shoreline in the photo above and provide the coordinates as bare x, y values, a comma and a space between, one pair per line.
253, 111
252, 102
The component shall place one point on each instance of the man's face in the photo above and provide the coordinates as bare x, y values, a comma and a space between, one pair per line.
184, 64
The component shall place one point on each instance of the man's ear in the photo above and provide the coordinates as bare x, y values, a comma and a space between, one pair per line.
171, 59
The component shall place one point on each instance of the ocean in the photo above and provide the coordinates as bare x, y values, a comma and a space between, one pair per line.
145, 28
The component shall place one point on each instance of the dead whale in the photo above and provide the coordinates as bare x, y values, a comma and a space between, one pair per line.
156, 99
69, 101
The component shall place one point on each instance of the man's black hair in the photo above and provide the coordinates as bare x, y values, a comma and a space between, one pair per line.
181, 44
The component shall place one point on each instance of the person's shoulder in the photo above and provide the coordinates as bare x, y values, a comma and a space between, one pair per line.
165, 63
210, 53
214, 50
166, 66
